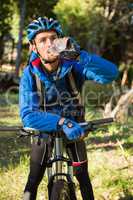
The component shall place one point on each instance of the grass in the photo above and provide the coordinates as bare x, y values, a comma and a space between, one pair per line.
110, 157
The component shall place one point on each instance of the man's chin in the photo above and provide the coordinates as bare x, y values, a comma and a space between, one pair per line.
51, 65
50, 61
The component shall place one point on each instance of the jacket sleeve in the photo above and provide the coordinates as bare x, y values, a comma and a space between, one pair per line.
93, 67
29, 107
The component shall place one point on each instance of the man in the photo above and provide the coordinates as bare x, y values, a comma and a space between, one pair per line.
61, 107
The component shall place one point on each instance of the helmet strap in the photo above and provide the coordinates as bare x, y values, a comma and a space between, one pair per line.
42, 59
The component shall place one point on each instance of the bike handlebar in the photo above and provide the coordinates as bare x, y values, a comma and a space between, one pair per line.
93, 125
87, 126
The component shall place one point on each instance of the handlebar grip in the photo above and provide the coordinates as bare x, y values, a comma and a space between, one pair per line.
93, 125
98, 122
102, 121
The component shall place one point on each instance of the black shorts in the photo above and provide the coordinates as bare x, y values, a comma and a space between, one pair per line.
40, 151
39, 156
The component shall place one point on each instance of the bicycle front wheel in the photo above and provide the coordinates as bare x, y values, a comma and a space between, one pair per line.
60, 191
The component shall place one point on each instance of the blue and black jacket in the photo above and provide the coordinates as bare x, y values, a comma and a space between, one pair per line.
57, 95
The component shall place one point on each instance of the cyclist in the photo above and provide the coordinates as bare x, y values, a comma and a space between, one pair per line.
62, 109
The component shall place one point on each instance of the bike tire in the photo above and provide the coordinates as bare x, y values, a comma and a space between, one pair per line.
60, 191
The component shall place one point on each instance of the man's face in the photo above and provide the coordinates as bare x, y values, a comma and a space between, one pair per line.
42, 43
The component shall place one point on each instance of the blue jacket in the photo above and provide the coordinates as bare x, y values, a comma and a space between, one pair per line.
89, 67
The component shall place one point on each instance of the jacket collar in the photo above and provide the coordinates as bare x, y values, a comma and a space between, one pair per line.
36, 68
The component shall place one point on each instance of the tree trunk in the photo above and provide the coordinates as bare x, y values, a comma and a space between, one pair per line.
120, 112
1, 49
124, 78
22, 4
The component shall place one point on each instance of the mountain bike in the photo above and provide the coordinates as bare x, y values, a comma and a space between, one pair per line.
59, 165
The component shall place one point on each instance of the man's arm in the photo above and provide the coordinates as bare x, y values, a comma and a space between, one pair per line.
29, 107
44, 121
93, 67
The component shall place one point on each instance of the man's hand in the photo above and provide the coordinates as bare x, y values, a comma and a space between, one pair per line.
71, 129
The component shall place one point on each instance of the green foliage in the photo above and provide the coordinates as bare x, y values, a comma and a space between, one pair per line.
5, 23
5, 17
36, 8
72, 15
15, 23
99, 26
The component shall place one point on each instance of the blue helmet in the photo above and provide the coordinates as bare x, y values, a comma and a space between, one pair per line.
43, 24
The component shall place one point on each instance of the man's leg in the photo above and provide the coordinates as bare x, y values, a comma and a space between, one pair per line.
39, 153
85, 183
77, 152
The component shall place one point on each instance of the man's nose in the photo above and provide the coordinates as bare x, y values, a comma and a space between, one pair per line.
49, 42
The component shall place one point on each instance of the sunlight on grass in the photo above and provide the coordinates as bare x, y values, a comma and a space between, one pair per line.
9, 115
13, 180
